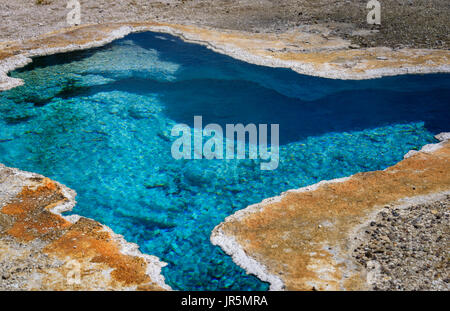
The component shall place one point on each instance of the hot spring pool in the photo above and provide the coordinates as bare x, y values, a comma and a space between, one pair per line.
99, 121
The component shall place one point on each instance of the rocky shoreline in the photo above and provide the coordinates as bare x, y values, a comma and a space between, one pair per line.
310, 37
311, 51
404, 23
337, 235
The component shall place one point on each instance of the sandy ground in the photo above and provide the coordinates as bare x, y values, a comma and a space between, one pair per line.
405, 23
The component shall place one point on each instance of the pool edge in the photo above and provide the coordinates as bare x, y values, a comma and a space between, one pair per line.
303, 239
43, 250
90, 36
320, 54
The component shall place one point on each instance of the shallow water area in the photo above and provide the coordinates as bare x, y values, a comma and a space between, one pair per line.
99, 121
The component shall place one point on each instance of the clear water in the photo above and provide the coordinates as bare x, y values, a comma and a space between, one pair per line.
99, 121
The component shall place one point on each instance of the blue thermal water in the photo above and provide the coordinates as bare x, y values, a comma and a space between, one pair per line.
99, 121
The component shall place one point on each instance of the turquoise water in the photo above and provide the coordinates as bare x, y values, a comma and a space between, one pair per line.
99, 121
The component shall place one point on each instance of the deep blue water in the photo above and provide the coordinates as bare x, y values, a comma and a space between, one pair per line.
99, 121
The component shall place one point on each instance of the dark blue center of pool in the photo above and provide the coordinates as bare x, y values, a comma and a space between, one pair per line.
99, 121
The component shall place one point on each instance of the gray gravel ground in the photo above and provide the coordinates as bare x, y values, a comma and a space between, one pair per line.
404, 23
23, 261
408, 249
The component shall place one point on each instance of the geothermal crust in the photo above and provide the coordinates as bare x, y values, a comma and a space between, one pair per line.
42, 250
311, 51
314, 37
376, 230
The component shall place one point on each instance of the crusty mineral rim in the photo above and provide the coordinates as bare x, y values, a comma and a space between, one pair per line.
305, 53
302, 239
30, 215
316, 54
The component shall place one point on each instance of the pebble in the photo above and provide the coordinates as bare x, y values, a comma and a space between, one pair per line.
408, 251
